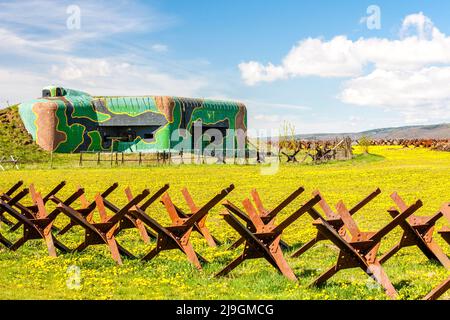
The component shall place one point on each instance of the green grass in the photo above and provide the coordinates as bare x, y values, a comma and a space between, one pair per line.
15, 140
414, 173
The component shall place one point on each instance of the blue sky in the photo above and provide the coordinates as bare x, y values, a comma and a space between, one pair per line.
316, 64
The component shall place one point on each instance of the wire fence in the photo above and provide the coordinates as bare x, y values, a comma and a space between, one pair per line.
10, 162
250, 156
165, 157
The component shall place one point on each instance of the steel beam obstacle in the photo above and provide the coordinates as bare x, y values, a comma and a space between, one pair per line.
36, 225
257, 226
445, 231
266, 215
334, 220
101, 233
359, 249
263, 239
177, 235
439, 291
417, 231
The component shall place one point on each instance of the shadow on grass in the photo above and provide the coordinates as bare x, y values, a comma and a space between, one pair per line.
306, 273
402, 284
293, 247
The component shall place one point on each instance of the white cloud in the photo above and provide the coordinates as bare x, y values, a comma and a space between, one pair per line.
98, 58
79, 68
109, 76
418, 94
158, 47
311, 57
409, 74
253, 72
335, 58
341, 57
15, 85
391, 88
97, 17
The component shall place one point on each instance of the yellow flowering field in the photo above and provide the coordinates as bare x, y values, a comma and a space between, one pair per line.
414, 173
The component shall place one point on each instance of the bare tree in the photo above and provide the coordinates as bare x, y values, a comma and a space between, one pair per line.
364, 142
287, 142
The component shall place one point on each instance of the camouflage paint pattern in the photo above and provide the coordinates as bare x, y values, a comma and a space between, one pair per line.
67, 121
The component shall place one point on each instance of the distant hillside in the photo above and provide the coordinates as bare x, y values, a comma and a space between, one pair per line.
15, 139
438, 131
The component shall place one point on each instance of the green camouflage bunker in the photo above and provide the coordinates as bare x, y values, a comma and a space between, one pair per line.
67, 121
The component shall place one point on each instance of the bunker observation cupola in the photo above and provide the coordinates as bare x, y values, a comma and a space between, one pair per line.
52, 91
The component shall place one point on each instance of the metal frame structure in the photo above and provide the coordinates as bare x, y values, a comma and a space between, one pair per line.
264, 241
266, 215
101, 233
334, 220
36, 225
360, 249
417, 231
177, 235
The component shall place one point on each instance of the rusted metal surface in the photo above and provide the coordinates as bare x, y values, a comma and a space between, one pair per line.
36, 225
101, 233
9, 193
257, 226
417, 231
359, 249
439, 291
177, 235
264, 241
5, 242
334, 220
86, 209
445, 231
129, 221
267, 216
200, 227
32, 211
